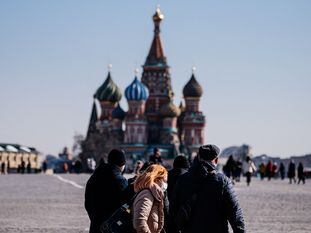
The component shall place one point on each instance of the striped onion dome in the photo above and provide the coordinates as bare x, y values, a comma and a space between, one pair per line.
136, 91
192, 88
118, 113
108, 91
169, 110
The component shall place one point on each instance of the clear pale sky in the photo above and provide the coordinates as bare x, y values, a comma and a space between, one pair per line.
253, 60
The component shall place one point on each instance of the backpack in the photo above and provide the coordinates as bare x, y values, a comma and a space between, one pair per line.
121, 221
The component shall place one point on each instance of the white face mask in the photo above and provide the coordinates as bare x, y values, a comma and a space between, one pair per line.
164, 186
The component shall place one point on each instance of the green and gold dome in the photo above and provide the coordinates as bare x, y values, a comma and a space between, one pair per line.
108, 91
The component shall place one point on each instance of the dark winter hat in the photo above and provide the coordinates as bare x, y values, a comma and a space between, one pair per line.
208, 152
117, 157
155, 150
181, 162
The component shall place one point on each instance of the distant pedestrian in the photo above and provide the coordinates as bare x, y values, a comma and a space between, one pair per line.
238, 171
156, 157
248, 168
274, 170
262, 170
148, 206
269, 169
78, 167
282, 171
29, 167
8, 167
44, 166
23, 167
230, 167
301, 174
291, 171
65, 167
204, 199
106, 190
3, 168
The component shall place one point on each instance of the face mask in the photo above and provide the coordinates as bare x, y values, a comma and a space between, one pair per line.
164, 186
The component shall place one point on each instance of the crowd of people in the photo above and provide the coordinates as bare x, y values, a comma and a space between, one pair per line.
234, 169
189, 198
23, 168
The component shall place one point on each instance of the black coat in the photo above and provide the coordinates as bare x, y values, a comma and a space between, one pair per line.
216, 203
173, 176
105, 192
156, 160
291, 170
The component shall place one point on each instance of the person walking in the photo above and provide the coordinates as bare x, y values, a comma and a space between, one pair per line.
282, 170
180, 167
3, 168
44, 166
230, 167
156, 157
23, 167
301, 174
248, 168
238, 171
204, 200
28, 167
262, 170
106, 190
291, 171
148, 206
269, 169
274, 170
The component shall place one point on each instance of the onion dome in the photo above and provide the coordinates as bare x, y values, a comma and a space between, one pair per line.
169, 110
118, 113
192, 88
108, 91
136, 91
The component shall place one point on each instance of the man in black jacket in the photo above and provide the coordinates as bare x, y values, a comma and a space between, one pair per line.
106, 190
209, 196
180, 167
156, 157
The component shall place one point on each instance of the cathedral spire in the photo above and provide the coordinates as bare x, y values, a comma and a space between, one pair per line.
93, 120
156, 54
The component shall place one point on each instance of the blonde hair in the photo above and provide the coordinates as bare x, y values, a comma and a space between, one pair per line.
151, 175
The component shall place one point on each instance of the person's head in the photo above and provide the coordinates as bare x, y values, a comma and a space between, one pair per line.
248, 158
117, 157
154, 174
209, 153
138, 165
157, 152
145, 166
181, 162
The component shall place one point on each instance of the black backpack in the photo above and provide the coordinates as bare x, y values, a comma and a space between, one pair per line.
121, 221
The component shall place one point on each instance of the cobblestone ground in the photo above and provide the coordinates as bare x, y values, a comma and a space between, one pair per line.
44, 203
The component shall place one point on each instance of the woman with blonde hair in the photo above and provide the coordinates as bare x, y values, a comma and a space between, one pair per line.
148, 206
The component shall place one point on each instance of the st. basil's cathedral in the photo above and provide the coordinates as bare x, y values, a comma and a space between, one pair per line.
152, 119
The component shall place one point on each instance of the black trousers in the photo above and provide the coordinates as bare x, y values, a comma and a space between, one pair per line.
248, 177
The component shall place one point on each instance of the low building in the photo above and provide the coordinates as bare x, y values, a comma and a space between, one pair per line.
12, 157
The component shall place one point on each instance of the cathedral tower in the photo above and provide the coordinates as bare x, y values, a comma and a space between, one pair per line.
193, 120
108, 95
157, 78
136, 126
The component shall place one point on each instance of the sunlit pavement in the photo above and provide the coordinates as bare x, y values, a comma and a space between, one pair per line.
46, 203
